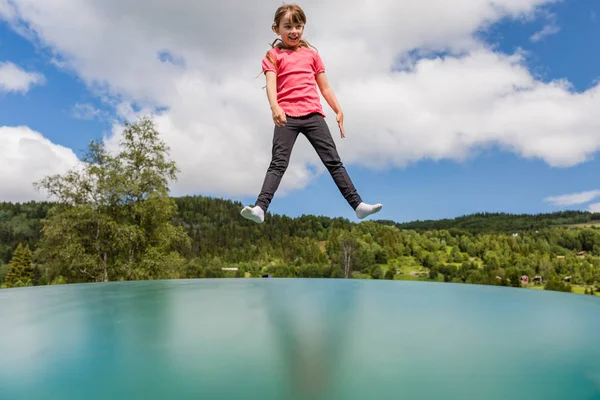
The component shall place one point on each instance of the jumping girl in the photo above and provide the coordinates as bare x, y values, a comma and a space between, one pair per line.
293, 71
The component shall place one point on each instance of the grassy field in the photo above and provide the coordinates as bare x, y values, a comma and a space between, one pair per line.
408, 268
412, 271
574, 289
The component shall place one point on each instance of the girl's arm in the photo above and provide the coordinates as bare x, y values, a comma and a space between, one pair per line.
329, 96
278, 114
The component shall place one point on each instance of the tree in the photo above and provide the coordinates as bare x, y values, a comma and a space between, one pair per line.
349, 247
455, 255
3, 272
433, 272
449, 272
114, 215
20, 269
390, 273
589, 291
512, 274
430, 260
557, 285
492, 261
381, 256
376, 272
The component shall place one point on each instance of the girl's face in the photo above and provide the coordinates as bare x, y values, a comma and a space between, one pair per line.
290, 32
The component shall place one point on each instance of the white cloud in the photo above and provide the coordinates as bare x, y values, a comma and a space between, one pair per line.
25, 157
594, 207
86, 111
550, 28
199, 60
547, 30
573, 198
6, 10
15, 79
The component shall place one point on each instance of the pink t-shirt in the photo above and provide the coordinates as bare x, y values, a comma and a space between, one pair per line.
296, 79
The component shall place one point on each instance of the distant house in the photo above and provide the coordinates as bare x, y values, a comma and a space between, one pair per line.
515, 234
567, 279
537, 278
525, 279
581, 254
560, 257
229, 269
267, 276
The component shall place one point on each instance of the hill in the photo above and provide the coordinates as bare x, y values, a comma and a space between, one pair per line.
210, 221
504, 222
477, 248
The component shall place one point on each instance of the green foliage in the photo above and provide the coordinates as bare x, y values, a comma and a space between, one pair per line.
501, 222
433, 273
20, 223
389, 274
114, 217
59, 280
449, 272
377, 272
3, 272
455, 255
557, 285
20, 269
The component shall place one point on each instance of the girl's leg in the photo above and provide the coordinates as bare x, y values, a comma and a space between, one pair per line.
284, 139
318, 134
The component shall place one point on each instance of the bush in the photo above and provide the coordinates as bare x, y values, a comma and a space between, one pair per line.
381, 257
433, 273
557, 285
389, 274
311, 271
336, 272
59, 280
376, 272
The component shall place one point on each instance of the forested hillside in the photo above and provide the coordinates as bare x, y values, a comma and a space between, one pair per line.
314, 246
504, 223
114, 220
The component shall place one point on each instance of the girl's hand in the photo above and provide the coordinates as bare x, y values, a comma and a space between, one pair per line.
278, 116
340, 119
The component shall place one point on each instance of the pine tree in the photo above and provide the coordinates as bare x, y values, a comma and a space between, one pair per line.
20, 269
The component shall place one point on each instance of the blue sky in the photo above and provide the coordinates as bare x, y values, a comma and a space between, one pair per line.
492, 179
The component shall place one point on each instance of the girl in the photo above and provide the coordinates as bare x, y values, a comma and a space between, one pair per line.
293, 71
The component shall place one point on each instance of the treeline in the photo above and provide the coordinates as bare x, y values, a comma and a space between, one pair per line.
114, 220
310, 246
502, 222
20, 223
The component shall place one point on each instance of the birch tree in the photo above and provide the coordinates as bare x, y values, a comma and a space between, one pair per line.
113, 218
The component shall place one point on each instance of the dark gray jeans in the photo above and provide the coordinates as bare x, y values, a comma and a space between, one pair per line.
315, 129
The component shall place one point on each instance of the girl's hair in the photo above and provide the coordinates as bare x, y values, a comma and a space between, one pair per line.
298, 16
